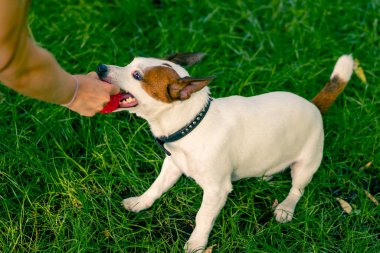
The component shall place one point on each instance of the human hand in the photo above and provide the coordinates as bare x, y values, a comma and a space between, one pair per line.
93, 94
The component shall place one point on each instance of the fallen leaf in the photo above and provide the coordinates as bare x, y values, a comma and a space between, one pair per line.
209, 249
359, 71
345, 205
374, 200
366, 166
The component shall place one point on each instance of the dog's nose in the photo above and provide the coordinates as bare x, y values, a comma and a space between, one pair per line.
102, 71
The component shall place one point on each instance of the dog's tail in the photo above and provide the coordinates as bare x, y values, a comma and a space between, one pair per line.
338, 81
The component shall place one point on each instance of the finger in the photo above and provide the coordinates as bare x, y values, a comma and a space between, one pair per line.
113, 89
90, 114
85, 113
93, 74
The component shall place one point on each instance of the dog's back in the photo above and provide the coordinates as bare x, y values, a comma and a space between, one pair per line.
264, 134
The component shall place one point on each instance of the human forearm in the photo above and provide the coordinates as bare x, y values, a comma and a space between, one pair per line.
33, 71
36, 73
24, 66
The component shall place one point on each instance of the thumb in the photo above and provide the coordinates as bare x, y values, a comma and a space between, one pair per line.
113, 89
93, 74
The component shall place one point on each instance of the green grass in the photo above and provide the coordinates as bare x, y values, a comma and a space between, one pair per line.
62, 176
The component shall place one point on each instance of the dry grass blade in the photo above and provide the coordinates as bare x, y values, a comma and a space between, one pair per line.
275, 203
209, 249
107, 233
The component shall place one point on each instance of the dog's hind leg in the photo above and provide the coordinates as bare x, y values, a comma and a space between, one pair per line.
302, 172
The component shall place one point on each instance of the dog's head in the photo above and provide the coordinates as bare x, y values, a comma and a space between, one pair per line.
152, 85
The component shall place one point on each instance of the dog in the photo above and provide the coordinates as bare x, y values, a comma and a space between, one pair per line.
217, 141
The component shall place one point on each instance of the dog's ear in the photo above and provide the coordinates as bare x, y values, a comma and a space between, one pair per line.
184, 87
185, 59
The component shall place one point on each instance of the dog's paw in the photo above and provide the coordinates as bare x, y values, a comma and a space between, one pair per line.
267, 178
136, 204
283, 213
195, 245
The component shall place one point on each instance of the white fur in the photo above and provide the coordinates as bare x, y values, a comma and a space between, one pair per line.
239, 137
343, 67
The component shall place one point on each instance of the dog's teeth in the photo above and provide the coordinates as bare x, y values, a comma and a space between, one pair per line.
128, 100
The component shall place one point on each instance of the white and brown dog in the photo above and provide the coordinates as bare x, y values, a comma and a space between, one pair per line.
217, 141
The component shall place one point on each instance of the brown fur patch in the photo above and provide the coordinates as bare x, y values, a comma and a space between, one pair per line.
164, 84
157, 81
326, 97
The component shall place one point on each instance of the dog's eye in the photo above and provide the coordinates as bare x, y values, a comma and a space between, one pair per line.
137, 75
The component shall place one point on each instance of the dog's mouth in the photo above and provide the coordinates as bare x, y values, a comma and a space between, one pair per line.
120, 101
127, 100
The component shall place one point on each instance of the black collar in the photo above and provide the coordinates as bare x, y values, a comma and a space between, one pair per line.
183, 131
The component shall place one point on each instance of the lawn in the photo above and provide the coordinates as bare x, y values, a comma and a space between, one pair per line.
63, 176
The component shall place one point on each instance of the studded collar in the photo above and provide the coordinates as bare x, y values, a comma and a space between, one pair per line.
183, 131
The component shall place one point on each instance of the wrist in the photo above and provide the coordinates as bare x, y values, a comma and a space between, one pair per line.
75, 93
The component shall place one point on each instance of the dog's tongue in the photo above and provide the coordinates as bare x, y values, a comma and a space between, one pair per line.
112, 105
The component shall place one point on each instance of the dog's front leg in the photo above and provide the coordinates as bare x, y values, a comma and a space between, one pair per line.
214, 199
169, 175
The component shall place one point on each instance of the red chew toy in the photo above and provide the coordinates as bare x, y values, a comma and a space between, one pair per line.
112, 105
